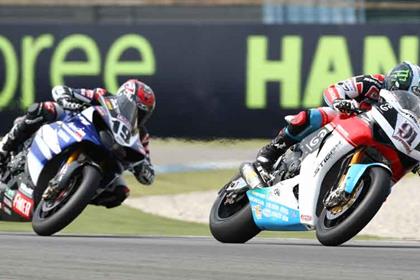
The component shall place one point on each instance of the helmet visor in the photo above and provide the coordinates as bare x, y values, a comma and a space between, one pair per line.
127, 108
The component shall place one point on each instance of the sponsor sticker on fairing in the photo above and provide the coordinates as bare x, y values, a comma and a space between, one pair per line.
63, 136
276, 192
257, 211
22, 205
9, 193
76, 132
7, 202
25, 189
108, 104
306, 218
327, 158
266, 212
7, 211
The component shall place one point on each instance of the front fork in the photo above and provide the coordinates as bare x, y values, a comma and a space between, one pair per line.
73, 156
357, 156
338, 196
53, 188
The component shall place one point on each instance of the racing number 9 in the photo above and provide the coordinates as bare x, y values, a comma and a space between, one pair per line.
407, 132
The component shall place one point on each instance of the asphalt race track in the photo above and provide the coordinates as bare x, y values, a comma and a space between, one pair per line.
26, 256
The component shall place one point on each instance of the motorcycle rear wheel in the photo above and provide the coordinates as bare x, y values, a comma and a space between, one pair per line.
333, 230
48, 219
232, 223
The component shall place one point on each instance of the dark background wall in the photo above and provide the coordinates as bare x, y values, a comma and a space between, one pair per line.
211, 79
220, 68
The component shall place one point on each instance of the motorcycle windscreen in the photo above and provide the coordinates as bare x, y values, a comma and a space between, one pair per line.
399, 118
127, 109
409, 102
122, 120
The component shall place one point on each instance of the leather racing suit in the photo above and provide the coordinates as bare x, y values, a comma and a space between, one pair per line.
73, 99
359, 91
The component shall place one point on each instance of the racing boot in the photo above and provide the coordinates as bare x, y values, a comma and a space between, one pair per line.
24, 126
3, 148
111, 199
269, 154
9, 141
22, 129
7, 144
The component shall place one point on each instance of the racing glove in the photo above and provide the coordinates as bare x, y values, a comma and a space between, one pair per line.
345, 105
416, 169
71, 105
144, 172
63, 96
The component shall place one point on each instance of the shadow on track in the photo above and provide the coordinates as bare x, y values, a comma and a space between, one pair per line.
377, 244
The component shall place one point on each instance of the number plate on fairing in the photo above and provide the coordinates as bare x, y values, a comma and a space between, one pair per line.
402, 130
406, 132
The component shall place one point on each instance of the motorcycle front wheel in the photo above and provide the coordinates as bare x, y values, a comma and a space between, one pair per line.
52, 216
335, 227
232, 223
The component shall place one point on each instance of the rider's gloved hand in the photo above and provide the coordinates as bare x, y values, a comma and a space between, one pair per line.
59, 92
64, 96
144, 172
345, 105
416, 169
71, 106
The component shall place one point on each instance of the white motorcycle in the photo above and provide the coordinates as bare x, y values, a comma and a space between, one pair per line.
334, 181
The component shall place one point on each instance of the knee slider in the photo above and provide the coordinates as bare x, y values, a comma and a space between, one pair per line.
49, 111
34, 111
46, 110
300, 119
298, 123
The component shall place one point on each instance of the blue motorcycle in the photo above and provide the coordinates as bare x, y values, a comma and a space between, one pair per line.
69, 163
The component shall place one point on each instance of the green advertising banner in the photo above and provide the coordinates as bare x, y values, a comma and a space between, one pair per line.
211, 80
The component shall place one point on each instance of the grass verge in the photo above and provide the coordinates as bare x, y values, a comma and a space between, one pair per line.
175, 183
127, 221
131, 222
122, 221
157, 143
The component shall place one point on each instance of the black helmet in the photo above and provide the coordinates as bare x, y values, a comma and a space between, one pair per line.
404, 76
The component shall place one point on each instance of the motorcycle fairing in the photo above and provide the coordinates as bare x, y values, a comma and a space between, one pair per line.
52, 139
313, 171
276, 207
17, 204
133, 142
355, 172
410, 147
315, 140
403, 129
